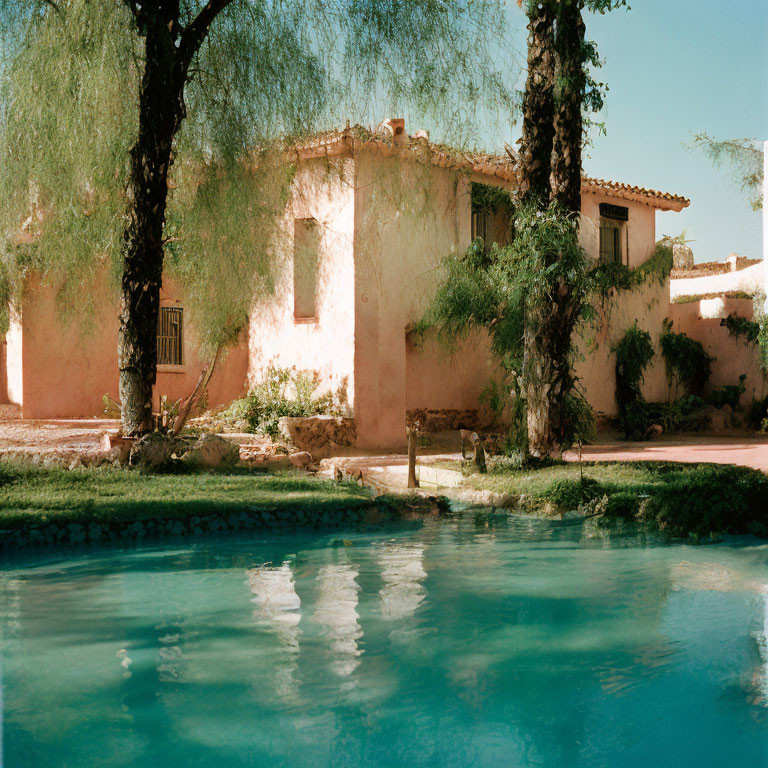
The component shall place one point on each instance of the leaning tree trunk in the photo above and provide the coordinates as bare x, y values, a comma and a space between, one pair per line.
535, 165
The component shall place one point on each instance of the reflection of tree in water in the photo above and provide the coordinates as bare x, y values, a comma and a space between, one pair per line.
278, 610
402, 572
336, 608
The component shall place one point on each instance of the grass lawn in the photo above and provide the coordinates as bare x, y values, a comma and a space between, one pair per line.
681, 499
31, 495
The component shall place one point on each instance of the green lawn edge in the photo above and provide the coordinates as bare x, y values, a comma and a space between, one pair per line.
31, 496
682, 499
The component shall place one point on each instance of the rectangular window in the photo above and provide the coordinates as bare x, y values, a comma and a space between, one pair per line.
480, 225
306, 248
169, 336
610, 241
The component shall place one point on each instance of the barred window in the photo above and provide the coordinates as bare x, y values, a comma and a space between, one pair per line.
169, 336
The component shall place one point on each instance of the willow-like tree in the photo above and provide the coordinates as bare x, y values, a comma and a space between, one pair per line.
108, 105
743, 158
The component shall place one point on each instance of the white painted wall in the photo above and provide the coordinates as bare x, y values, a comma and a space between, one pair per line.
749, 280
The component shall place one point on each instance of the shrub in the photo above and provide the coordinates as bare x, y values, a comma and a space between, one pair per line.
730, 394
570, 494
686, 359
285, 392
633, 354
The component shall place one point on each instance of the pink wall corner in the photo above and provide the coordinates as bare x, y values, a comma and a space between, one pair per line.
70, 363
649, 306
408, 217
733, 356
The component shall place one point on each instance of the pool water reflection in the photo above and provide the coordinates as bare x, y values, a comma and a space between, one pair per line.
490, 641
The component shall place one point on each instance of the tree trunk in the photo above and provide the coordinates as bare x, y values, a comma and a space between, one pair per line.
551, 170
161, 110
538, 104
569, 99
169, 50
189, 403
535, 165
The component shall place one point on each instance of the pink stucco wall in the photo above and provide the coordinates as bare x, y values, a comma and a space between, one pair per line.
61, 366
734, 356
596, 367
322, 190
408, 217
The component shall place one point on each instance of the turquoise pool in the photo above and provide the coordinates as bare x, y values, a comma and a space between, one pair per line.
492, 641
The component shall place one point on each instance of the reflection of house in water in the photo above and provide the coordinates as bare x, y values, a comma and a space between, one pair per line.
760, 679
402, 571
336, 608
278, 609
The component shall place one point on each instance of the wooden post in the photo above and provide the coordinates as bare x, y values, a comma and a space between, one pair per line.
480, 456
412, 481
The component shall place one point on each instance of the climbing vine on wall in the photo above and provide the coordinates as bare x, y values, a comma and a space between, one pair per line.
686, 360
633, 355
613, 276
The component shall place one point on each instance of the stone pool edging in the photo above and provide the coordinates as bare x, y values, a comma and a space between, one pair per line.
67, 532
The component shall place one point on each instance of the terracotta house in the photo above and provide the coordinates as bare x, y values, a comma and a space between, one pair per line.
370, 216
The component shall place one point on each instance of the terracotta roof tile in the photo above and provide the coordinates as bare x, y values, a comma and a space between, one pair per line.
498, 167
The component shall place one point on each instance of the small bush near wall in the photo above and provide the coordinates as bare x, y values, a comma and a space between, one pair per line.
285, 392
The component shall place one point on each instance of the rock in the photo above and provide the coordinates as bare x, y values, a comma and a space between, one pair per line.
655, 430
279, 461
301, 459
211, 451
719, 422
682, 256
155, 451
320, 435
117, 447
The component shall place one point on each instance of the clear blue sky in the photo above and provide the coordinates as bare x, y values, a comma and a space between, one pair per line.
674, 68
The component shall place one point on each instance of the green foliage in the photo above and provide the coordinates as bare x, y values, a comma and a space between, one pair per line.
744, 157
267, 73
741, 326
34, 495
693, 501
686, 359
570, 494
284, 392
636, 416
633, 355
729, 394
613, 276
507, 288
757, 414
681, 239
490, 198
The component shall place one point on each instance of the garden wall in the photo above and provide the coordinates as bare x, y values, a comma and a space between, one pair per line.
733, 356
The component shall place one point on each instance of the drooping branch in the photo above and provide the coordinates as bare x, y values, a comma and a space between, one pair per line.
193, 36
